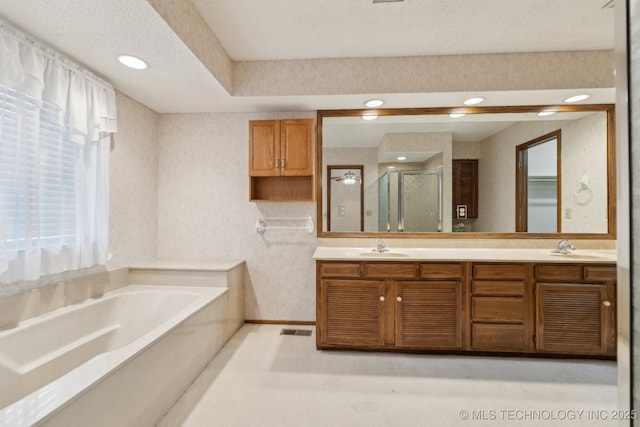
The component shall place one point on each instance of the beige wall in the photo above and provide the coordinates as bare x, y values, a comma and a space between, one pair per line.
205, 212
133, 223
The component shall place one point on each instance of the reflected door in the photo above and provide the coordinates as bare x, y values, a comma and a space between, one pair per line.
420, 201
538, 185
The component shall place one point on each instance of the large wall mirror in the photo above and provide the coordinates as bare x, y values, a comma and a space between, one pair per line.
422, 145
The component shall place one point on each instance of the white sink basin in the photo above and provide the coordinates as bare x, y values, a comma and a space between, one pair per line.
383, 254
580, 256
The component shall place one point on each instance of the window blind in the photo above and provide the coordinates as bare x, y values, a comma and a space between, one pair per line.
38, 174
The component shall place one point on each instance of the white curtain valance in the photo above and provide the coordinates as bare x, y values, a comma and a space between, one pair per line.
88, 105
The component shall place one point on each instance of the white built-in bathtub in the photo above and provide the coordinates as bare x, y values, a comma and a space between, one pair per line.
119, 360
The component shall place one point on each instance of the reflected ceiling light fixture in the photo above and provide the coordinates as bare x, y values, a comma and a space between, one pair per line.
576, 98
474, 101
456, 115
402, 158
391, 167
133, 62
374, 103
369, 116
545, 113
348, 178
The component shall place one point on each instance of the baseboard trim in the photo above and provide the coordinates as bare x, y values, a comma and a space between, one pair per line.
280, 322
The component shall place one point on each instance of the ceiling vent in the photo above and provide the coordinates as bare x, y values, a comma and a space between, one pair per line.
392, 1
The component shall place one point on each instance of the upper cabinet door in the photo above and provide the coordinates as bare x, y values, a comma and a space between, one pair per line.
264, 147
297, 147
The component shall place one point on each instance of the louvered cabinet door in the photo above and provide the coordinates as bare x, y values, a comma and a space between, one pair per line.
353, 312
572, 318
429, 314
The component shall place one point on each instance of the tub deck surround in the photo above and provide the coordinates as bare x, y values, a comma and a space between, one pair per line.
328, 253
195, 273
60, 368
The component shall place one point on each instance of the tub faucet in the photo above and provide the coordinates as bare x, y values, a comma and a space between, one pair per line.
380, 247
564, 247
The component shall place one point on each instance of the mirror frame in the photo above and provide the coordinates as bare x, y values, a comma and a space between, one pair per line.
611, 175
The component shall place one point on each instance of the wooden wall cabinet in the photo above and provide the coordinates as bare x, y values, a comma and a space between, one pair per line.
465, 186
281, 154
472, 307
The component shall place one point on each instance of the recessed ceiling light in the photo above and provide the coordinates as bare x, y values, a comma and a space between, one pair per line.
369, 116
402, 158
456, 115
133, 62
374, 103
474, 101
576, 98
545, 113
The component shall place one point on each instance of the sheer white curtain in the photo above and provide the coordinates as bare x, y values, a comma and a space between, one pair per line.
55, 125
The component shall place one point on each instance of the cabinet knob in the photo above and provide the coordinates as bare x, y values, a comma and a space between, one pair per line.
399, 299
606, 303
381, 297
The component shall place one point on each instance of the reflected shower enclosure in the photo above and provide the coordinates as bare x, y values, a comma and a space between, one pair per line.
410, 201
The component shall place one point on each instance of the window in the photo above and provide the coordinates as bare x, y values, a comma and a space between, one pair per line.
55, 125
37, 174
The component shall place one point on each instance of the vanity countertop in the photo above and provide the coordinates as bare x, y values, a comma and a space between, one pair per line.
464, 254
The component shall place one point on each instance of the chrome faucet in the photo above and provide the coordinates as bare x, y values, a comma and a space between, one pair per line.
380, 247
564, 247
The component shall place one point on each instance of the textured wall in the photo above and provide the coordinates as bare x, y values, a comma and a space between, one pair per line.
418, 74
133, 184
205, 212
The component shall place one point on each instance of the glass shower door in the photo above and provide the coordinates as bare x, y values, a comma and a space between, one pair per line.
420, 201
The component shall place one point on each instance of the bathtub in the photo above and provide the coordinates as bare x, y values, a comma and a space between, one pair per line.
118, 360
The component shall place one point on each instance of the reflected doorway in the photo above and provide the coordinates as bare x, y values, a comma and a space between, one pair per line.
345, 200
538, 186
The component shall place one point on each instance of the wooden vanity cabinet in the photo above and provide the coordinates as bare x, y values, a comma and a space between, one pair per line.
369, 305
500, 314
575, 309
464, 178
281, 159
354, 313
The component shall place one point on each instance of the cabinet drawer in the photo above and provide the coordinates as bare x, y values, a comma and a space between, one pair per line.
491, 287
390, 270
499, 271
339, 269
499, 337
497, 309
607, 273
441, 271
558, 272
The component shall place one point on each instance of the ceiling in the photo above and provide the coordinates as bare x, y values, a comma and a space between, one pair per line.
94, 32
